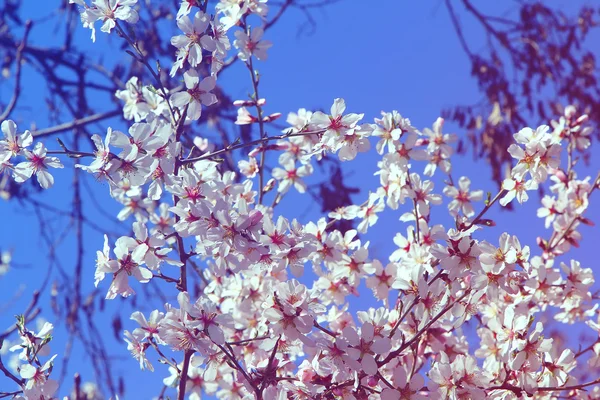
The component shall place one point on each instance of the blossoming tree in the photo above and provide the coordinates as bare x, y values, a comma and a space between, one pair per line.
272, 318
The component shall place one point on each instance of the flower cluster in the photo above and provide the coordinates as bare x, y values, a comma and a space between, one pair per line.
273, 317
37, 162
34, 374
108, 12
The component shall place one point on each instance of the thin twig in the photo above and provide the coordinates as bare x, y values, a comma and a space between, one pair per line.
76, 123
18, 60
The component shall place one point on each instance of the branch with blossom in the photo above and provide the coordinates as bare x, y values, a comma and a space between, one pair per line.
260, 326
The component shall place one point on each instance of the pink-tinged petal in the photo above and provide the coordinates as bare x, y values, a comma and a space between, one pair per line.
121, 249
10, 130
508, 184
119, 139
381, 345
300, 186
216, 334
351, 119
180, 41
201, 22
476, 195
464, 183
185, 24
208, 43
367, 331
108, 25
180, 99
507, 198
194, 110
124, 213
26, 139
338, 107
123, 13
257, 34
45, 179
208, 99
39, 150
518, 361
141, 231
351, 335
369, 365
53, 162
450, 191
347, 153
195, 55
27, 371
278, 173
23, 171
120, 286
464, 245
297, 270
400, 377
191, 78
520, 322
320, 119
50, 387
390, 394
139, 318
98, 142
138, 254
143, 275
516, 151
417, 382
207, 84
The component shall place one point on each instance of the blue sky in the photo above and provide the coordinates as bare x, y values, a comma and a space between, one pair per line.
389, 55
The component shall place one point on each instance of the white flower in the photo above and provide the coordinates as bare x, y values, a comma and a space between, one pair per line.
517, 188
291, 175
197, 93
13, 144
193, 41
462, 197
107, 11
37, 164
252, 45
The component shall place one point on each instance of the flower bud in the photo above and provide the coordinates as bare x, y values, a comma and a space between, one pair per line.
271, 117
269, 186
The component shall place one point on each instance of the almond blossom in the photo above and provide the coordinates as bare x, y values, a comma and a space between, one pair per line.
252, 44
206, 225
462, 198
336, 125
194, 39
107, 11
13, 144
129, 261
37, 163
196, 95
289, 176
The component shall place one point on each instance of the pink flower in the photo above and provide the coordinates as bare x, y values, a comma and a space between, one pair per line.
365, 347
381, 279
